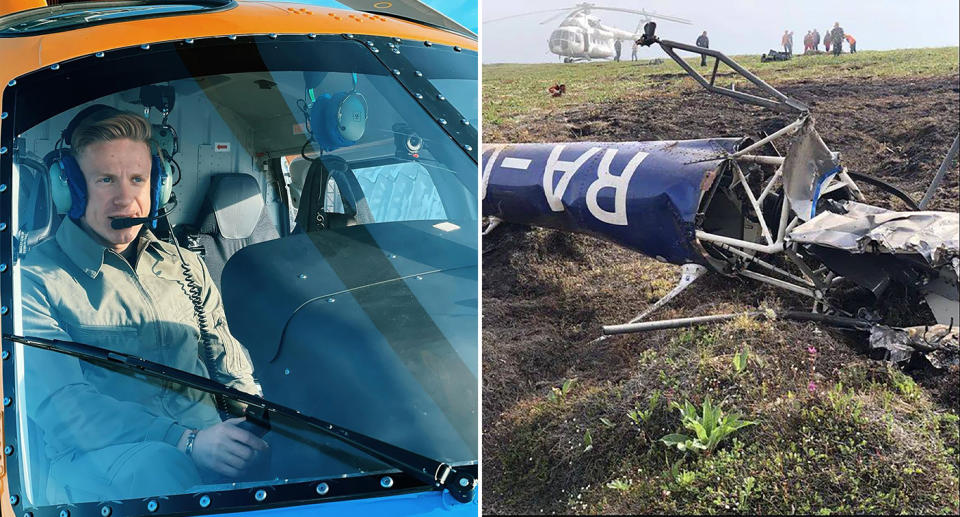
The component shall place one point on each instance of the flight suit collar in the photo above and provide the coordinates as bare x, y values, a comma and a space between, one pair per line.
87, 254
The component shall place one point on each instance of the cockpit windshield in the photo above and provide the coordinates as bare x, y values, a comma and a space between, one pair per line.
284, 215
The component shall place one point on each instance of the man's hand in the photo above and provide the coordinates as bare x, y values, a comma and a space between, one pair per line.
227, 449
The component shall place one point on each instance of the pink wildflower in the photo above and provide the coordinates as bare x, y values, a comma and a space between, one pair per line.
812, 350
812, 387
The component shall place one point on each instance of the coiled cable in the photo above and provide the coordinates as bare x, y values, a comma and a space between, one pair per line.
195, 293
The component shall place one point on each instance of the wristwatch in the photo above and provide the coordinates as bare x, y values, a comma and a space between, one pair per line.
188, 450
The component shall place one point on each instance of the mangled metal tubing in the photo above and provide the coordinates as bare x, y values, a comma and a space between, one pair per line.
783, 103
773, 181
764, 160
833, 321
776, 247
753, 259
779, 283
642, 195
787, 130
753, 202
947, 162
644, 326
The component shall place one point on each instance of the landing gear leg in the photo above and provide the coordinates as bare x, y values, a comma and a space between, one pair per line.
688, 275
492, 222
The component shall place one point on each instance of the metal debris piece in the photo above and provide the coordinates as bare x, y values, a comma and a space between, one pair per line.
938, 343
805, 169
868, 229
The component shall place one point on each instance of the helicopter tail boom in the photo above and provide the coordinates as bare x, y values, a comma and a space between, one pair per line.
642, 195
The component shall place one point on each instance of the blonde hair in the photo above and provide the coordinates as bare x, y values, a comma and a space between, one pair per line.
122, 125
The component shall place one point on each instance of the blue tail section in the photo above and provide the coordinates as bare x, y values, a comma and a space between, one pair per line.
640, 195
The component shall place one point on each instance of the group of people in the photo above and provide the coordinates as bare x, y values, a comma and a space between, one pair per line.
811, 43
833, 38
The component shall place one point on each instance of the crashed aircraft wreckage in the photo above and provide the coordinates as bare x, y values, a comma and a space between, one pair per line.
734, 206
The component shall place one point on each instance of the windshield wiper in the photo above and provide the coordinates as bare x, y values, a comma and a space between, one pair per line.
435, 473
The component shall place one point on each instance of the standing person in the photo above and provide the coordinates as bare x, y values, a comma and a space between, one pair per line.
808, 42
785, 41
816, 40
852, 42
633, 51
827, 38
617, 46
703, 42
790, 42
837, 35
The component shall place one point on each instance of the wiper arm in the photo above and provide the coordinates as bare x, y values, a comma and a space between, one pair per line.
435, 473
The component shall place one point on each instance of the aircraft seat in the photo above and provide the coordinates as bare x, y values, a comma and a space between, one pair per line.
313, 201
232, 216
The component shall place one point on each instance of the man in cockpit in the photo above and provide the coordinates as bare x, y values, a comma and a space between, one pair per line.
111, 434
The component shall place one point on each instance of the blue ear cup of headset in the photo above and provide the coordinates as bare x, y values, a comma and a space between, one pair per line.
338, 120
69, 187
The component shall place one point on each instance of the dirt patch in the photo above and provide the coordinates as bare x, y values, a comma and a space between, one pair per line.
546, 294
897, 130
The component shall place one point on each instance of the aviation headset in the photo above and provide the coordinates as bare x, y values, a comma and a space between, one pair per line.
67, 184
339, 119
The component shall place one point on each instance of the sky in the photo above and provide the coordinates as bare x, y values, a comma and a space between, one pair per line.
733, 27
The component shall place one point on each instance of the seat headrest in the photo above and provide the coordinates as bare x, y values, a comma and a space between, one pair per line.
298, 177
234, 205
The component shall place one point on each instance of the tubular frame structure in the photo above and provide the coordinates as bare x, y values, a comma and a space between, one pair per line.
811, 283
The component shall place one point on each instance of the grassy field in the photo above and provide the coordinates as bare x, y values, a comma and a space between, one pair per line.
511, 91
574, 425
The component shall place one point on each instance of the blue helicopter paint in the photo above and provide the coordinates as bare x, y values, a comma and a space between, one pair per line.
641, 195
423, 504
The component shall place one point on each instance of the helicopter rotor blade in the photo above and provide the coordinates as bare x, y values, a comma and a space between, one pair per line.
555, 16
646, 13
524, 14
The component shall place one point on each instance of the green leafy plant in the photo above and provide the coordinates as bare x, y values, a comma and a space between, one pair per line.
750, 483
675, 468
686, 478
587, 441
619, 484
561, 392
710, 427
740, 361
639, 414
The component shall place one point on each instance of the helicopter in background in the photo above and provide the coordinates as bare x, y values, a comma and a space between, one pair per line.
582, 36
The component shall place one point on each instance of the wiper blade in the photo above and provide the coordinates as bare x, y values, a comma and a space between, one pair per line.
435, 473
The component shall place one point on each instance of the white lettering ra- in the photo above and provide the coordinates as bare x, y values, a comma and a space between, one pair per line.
555, 164
618, 183
488, 167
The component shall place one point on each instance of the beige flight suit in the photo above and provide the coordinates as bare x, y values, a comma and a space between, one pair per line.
112, 434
